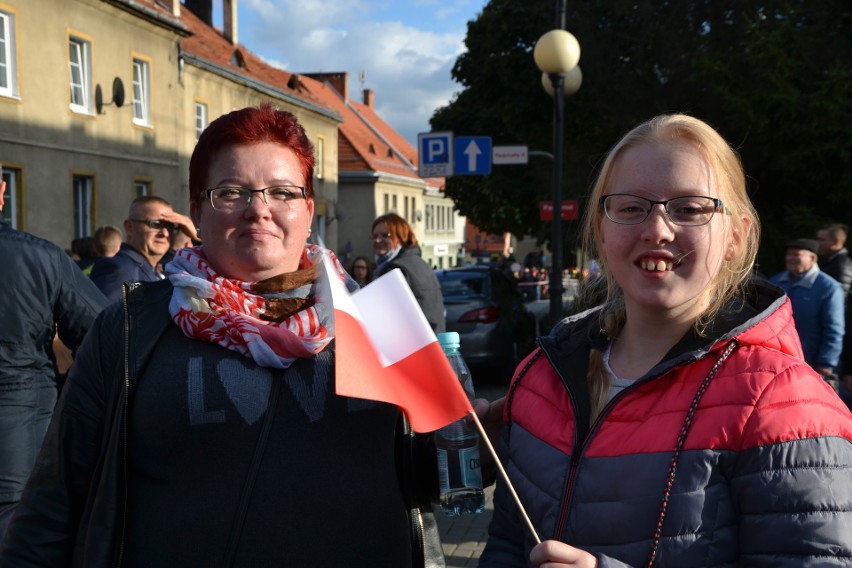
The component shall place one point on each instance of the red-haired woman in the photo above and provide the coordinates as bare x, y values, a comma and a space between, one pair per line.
200, 425
396, 246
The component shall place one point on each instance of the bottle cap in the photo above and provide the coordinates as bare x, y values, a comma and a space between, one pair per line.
449, 340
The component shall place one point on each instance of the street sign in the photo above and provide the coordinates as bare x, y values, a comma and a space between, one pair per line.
472, 155
510, 155
570, 209
435, 154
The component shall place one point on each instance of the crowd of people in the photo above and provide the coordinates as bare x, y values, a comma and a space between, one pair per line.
684, 420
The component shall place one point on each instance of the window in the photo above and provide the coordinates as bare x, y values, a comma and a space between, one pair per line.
387, 203
8, 55
12, 206
200, 118
80, 61
141, 92
319, 164
141, 188
83, 205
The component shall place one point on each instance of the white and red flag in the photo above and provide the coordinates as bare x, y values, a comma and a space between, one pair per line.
387, 351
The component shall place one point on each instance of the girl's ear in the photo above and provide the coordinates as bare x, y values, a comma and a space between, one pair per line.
738, 238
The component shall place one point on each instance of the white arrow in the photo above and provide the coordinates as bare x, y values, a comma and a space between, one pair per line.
472, 151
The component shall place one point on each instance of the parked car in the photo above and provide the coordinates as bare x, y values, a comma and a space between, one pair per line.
487, 310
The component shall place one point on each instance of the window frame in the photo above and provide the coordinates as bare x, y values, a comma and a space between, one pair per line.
144, 184
83, 214
9, 53
141, 92
201, 105
84, 49
319, 160
13, 208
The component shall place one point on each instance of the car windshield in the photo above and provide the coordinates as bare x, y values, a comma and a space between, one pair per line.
460, 284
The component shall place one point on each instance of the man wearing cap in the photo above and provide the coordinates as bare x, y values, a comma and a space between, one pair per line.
817, 305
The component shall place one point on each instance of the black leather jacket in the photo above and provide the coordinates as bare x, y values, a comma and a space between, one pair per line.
73, 511
839, 267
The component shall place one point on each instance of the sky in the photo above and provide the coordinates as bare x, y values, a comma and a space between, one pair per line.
406, 49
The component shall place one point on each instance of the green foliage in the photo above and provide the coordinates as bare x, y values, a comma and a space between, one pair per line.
774, 77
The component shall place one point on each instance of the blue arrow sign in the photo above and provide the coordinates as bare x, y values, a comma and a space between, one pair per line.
472, 155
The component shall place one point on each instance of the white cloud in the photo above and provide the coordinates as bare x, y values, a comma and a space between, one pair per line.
407, 66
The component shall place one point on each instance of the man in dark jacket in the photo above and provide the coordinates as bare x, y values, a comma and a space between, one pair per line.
833, 257
149, 226
42, 292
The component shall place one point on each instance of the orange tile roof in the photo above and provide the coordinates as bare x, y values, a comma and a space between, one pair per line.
366, 142
208, 43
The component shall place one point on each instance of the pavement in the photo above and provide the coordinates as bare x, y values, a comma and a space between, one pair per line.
463, 537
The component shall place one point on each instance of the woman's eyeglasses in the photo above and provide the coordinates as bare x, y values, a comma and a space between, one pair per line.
686, 211
239, 198
380, 236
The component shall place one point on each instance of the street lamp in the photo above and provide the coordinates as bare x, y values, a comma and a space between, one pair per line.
557, 53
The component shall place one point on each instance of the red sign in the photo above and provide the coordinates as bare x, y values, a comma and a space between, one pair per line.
570, 210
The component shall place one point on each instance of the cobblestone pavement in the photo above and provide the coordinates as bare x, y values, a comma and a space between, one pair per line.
463, 538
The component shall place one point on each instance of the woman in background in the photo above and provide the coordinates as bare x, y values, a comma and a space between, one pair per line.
396, 246
362, 270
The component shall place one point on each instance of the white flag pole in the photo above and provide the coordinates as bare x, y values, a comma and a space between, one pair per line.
503, 473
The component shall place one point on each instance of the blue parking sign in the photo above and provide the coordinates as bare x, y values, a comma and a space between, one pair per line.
472, 155
435, 154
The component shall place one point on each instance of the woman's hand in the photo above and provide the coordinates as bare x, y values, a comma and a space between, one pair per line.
553, 554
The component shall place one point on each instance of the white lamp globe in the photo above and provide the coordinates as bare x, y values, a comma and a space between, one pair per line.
557, 51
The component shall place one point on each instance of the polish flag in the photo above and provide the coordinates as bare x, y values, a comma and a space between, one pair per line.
387, 351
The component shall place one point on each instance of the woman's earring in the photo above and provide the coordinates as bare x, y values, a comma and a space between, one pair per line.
309, 230
198, 230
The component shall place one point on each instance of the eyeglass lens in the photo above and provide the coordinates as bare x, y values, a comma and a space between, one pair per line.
689, 210
238, 198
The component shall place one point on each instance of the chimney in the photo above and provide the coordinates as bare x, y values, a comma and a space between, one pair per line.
229, 7
201, 8
175, 9
339, 81
368, 97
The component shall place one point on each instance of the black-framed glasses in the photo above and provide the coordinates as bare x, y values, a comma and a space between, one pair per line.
382, 236
686, 210
158, 224
239, 198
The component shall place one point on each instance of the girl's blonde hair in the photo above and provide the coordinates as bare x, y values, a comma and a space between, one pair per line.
741, 226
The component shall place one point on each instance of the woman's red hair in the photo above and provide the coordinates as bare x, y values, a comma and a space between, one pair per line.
264, 123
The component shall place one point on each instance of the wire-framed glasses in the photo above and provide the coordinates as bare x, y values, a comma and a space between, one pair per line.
234, 198
686, 210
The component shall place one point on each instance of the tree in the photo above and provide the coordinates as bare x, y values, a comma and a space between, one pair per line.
773, 77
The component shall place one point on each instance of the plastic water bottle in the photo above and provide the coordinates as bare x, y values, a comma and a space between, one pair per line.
457, 445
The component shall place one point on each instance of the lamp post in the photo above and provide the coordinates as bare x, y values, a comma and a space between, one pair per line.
557, 53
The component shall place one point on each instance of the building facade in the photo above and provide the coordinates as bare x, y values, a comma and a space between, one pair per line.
102, 101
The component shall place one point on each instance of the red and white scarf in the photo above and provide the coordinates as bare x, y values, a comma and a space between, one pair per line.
274, 321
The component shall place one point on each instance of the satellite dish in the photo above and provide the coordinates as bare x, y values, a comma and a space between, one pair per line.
117, 96
99, 99
118, 92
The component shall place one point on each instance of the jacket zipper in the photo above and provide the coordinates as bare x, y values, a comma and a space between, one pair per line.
124, 421
579, 447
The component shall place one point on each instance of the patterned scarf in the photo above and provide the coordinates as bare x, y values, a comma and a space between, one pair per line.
274, 321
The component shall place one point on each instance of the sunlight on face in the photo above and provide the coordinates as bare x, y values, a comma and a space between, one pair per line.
257, 242
663, 267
